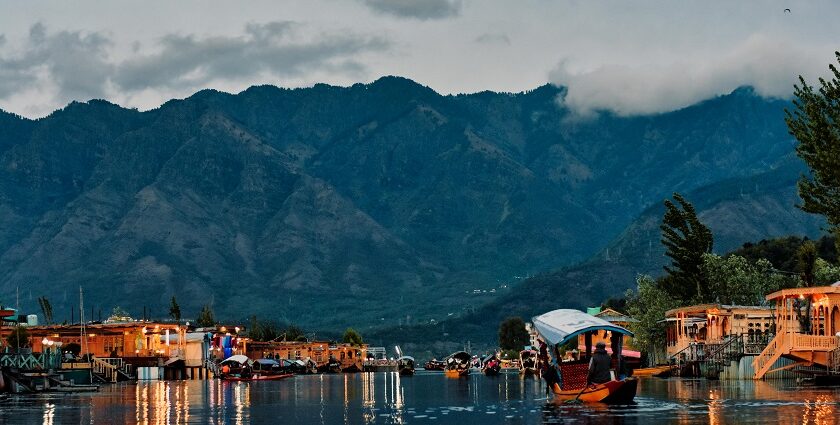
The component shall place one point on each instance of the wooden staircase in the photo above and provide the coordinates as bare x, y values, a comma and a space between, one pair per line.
779, 346
105, 370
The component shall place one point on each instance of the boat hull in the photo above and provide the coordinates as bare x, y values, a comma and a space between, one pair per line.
406, 372
528, 372
258, 377
452, 373
615, 392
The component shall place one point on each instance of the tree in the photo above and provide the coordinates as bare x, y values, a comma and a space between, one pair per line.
815, 123
736, 280
686, 240
205, 317
352, 337
648, 305
513, 335
18, 338
175, 309
806, 260
826, 273
46, 309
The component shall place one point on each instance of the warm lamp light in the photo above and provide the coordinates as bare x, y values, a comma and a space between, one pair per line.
45, 341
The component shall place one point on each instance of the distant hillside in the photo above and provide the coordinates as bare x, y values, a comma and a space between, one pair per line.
737, 210
358, 206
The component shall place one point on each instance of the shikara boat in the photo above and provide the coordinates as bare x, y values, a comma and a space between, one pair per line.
528, 363
241, 368
568, 380
457, 364
405, 365
435, 365
491, 365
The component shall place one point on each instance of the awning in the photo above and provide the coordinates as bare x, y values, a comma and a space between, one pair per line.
560, 326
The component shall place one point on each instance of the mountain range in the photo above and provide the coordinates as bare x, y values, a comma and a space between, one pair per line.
373, 205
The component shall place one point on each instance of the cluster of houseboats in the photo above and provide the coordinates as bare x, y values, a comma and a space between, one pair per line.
798, 332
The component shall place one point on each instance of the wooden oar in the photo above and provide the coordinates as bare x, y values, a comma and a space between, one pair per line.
576, 400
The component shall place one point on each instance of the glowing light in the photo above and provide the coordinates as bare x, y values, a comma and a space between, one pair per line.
45, 341
236, 329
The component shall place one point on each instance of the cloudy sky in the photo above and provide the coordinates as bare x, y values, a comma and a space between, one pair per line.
629, 57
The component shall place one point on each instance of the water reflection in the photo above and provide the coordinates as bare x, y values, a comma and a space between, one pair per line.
388, 398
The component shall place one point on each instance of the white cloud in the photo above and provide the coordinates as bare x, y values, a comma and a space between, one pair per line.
769, 64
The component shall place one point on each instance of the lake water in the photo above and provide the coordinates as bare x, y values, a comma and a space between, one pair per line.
427, 398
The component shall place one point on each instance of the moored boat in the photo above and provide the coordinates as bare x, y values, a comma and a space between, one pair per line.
435, 364
528, 363
241, 368
570, 380
458, 364
405, 365
491, 365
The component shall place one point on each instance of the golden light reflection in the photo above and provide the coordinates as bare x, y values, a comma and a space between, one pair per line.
49, 414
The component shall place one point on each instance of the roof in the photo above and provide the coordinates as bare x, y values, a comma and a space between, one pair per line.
795, 292
612, 316
703, 308
559, 326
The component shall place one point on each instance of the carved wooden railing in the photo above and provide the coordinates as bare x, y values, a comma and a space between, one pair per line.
815, 343
104, 368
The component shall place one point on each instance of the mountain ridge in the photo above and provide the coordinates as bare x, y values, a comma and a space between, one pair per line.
367, 201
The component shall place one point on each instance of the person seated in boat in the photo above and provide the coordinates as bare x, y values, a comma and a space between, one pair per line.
599, 365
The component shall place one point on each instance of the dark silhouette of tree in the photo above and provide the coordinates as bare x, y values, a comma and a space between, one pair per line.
806, 261
512, 334
686, 239
18, 338
175, 309
352, 337
46, 309
815, 123
205, 317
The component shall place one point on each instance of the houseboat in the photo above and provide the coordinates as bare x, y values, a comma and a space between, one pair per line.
700, 339
807, 324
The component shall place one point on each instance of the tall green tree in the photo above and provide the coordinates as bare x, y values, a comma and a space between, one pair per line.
806, 262
648, 305
175, 309
205, 317
686, 240
737, 280
815, 123
352, 337
512, 334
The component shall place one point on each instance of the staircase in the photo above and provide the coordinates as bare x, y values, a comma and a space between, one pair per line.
104, 369
720, 355
779, 346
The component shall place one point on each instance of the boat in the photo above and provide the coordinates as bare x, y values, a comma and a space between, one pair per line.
405, 365
528, 364
331, 366
435, 364
491, 365
457, 364
568, 380
241, 368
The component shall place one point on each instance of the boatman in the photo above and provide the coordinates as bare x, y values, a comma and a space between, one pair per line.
599, 365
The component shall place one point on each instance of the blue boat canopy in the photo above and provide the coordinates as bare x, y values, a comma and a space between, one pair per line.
560, 326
